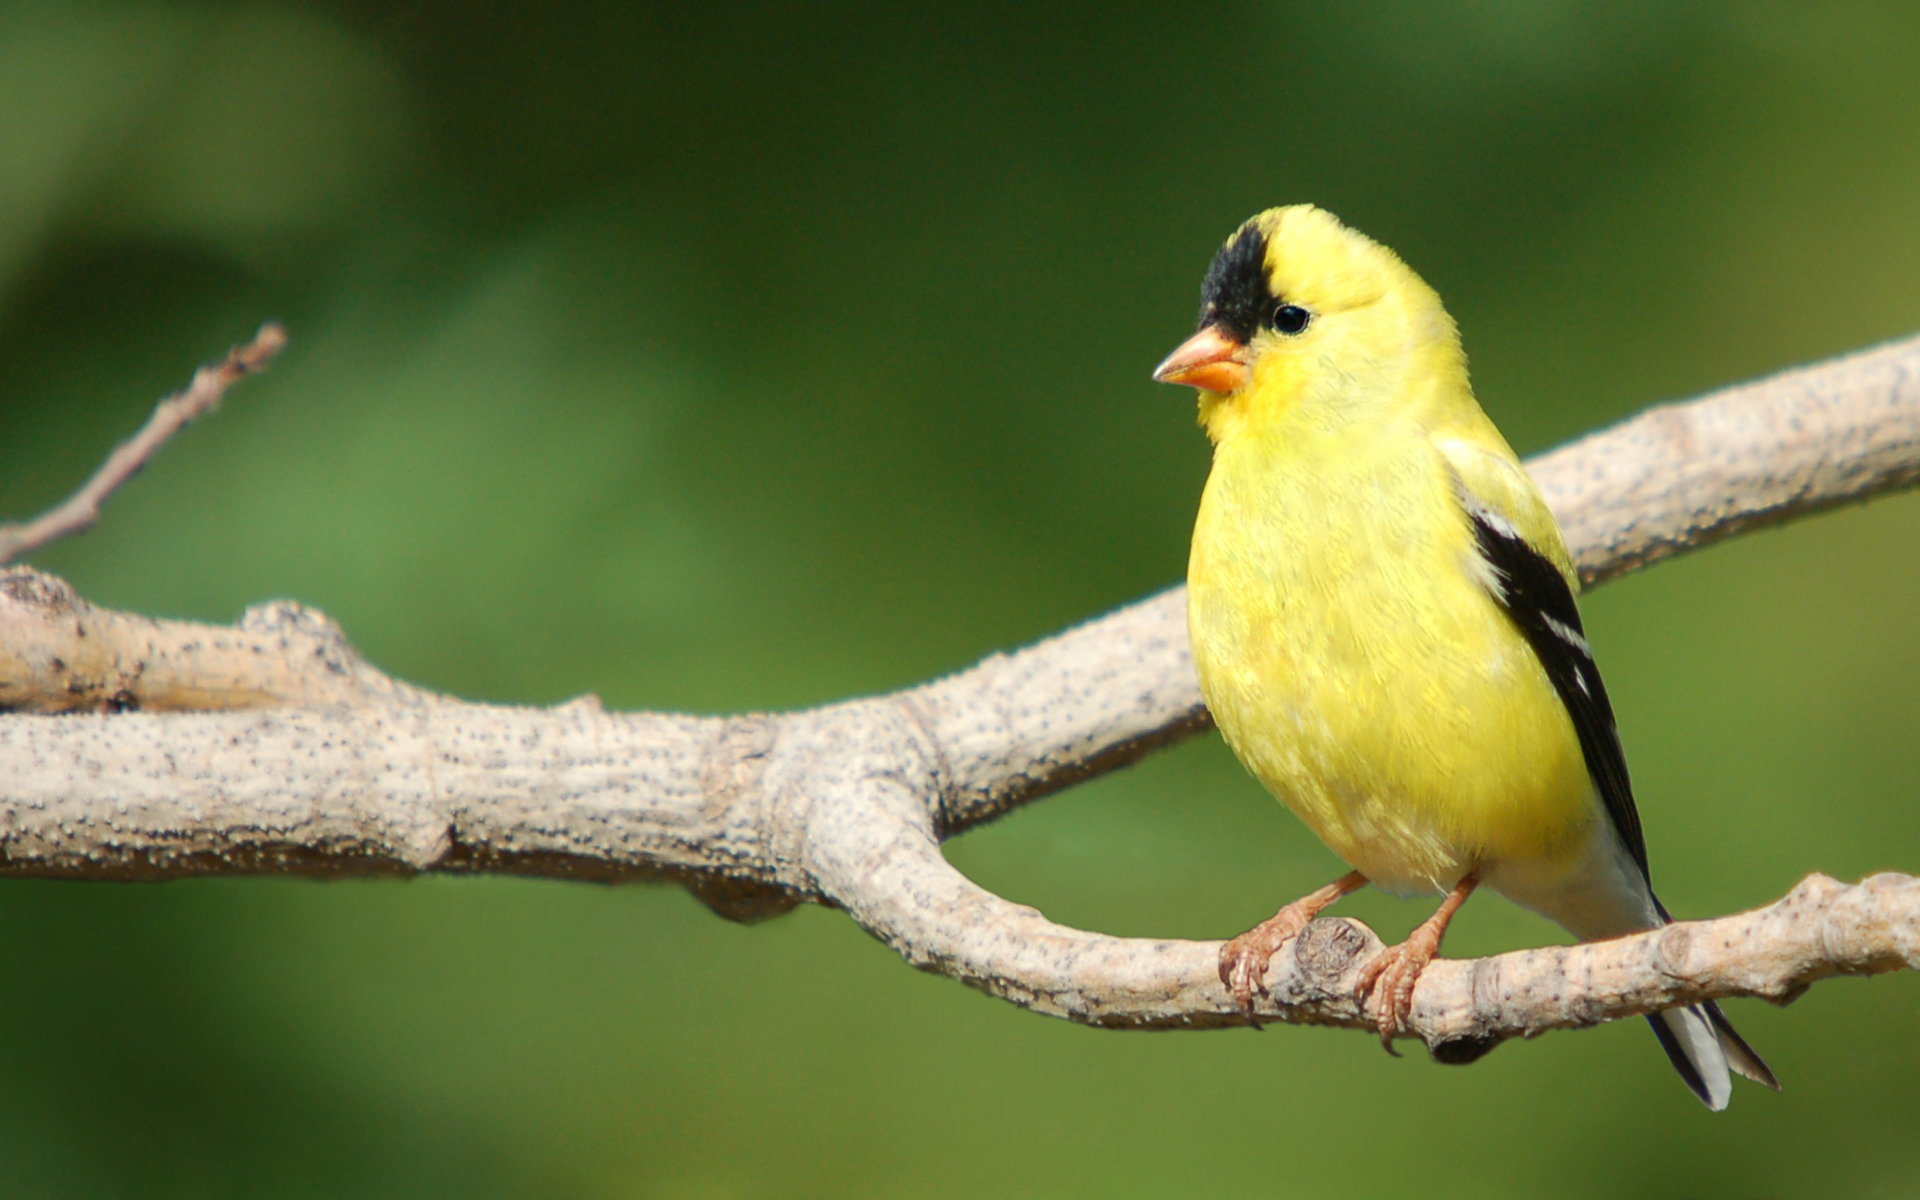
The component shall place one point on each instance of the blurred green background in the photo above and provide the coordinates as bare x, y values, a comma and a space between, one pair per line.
743, 357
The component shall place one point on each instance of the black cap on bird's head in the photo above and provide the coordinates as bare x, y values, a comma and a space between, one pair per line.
1235, 294
1236, 299
1279, 274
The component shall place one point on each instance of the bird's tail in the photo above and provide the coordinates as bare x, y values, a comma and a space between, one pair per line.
1612, 899
1703, 1047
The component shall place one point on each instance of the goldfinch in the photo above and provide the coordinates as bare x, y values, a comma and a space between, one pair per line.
1382, 617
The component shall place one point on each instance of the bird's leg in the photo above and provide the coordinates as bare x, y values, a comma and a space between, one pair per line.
1391, 976
1243, 961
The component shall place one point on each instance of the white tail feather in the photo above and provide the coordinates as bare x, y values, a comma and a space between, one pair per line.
1688, 1034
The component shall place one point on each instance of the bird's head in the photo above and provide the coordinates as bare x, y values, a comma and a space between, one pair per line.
1297, 309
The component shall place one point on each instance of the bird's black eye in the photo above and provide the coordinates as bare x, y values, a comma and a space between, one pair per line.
1290, 318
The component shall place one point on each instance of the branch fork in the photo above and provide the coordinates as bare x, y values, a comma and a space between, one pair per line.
135, 748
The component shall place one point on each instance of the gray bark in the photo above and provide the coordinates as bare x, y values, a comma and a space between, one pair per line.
136, 749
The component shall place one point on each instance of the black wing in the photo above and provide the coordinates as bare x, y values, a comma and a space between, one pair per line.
1537, 597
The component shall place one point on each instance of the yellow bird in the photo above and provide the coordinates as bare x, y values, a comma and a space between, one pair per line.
1382, 616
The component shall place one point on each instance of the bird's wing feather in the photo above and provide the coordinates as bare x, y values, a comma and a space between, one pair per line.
1531, 578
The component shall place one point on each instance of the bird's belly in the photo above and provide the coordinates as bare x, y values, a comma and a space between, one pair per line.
1377, 689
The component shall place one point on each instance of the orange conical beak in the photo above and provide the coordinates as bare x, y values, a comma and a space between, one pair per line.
1210, 359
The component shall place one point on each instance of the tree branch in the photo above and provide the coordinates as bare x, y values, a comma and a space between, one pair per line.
299, 757
81, 511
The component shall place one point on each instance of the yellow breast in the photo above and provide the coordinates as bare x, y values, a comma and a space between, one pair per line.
1362, 674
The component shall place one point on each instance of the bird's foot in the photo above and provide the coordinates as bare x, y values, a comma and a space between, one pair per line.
1391, 977
1244, 960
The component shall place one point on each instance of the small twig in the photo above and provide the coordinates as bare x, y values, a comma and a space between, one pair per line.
81, 511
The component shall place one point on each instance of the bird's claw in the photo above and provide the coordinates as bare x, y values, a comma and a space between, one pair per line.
1391, 978
1244, 960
